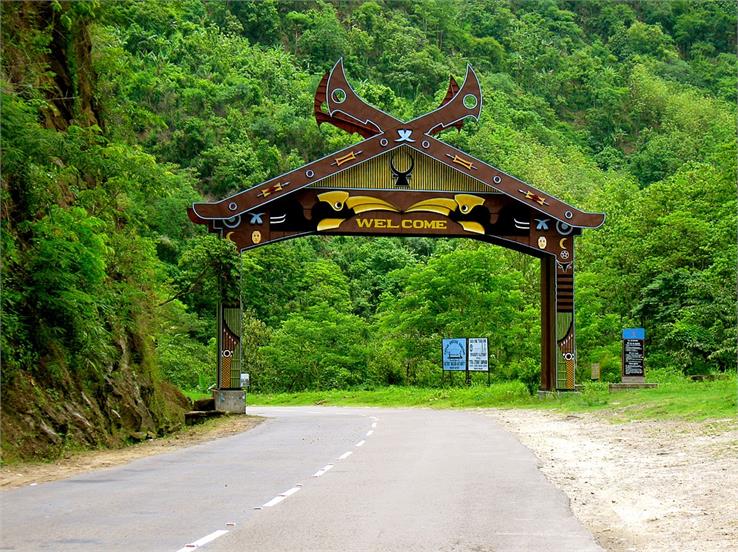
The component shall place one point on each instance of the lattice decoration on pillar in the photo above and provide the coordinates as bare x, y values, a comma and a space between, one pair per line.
229, 347
566, 361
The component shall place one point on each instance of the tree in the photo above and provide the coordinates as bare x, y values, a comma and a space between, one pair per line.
320, 348
466, 292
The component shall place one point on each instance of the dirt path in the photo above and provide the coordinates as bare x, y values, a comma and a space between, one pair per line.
19, 475
642, 486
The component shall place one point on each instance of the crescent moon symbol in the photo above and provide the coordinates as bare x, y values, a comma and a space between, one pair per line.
412, 165
228, 236
561, 243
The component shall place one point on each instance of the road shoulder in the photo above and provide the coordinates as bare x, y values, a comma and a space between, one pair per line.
644, 485
30, 473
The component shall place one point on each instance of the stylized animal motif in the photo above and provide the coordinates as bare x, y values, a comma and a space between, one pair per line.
402, 178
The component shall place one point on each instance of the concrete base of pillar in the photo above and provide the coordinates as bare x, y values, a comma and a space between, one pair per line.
230, 401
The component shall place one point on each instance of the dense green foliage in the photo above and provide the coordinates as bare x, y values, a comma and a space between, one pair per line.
623, 107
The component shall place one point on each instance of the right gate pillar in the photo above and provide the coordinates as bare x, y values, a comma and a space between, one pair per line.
558, 343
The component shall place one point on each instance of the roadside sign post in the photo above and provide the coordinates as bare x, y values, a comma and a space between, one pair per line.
454, 354
633, 369
595, 371
467, 355
479, 356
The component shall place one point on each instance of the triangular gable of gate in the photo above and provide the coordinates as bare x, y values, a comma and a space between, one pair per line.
380, 161
403, 168
423, 172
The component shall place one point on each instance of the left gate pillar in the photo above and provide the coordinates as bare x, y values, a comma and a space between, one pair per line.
228, 395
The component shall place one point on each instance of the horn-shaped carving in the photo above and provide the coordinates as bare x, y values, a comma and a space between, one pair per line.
467, 102
340, 98
347, 111
338, 119
453, 88
402, 178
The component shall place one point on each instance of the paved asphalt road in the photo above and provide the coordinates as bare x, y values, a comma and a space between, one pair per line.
312, 479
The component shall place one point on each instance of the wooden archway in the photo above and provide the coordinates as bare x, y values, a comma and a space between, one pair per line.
403, 181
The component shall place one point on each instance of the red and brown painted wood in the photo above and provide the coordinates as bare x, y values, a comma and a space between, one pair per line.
403, 181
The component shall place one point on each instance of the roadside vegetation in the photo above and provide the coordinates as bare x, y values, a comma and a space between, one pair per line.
118, 115
673, 399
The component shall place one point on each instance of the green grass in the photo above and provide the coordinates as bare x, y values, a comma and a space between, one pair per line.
676, 400
502, 394
196, 395
682, 400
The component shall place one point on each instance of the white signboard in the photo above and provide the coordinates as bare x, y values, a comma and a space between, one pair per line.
478, 354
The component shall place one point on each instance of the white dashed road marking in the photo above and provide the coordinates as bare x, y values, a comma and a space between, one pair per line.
322, 470
277, 499
203, 541
292, 491
280, 497
273, 502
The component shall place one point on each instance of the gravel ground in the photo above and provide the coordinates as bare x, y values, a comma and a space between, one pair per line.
642, 486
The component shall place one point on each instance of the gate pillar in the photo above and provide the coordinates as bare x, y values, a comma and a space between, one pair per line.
229, 346
558, 339
566, 358
548, 323
229, 396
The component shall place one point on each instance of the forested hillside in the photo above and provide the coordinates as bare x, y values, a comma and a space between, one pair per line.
118, 115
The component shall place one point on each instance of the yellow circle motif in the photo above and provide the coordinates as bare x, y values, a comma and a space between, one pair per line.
256, 236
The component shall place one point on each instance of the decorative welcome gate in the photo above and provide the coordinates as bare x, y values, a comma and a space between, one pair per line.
402, 181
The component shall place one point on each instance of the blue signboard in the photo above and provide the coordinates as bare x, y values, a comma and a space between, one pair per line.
634, 333
633, 353
454, 354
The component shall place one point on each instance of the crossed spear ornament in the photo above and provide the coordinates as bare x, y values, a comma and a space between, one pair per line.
383, 132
